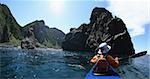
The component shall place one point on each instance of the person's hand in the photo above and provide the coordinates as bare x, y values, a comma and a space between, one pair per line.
116, 58
94, 59
117, 61
99, 51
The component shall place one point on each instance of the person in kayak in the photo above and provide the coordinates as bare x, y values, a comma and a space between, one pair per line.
102, 60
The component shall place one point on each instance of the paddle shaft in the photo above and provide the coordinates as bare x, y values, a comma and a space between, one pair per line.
134, 56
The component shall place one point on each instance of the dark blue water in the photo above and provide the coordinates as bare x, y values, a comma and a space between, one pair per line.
57, 64
42, 63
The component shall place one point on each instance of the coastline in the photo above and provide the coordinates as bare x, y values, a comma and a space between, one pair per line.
18, 47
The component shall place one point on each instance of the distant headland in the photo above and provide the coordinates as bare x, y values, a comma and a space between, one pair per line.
11, 33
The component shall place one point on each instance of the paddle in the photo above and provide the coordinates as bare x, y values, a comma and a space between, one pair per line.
135, 55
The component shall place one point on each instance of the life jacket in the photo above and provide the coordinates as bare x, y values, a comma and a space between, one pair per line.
109, 59
102, 66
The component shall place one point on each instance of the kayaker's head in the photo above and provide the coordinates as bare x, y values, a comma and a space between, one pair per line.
104, 48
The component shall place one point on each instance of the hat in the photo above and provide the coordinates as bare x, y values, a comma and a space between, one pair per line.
104, 48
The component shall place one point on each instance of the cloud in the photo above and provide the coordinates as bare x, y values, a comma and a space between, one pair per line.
134, 13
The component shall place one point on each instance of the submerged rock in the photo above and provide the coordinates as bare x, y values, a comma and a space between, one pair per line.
103, 27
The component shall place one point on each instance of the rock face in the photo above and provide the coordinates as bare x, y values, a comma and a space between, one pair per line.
29, 42
8, 25
11, 31
50, 37
103, 27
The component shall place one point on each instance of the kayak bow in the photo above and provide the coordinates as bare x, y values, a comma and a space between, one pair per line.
111, 74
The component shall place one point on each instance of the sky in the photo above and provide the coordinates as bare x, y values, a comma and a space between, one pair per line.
66, 14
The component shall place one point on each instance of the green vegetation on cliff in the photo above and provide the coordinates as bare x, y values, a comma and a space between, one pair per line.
8, 25
12, 33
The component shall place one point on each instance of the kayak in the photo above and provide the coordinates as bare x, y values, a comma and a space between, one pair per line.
111, 74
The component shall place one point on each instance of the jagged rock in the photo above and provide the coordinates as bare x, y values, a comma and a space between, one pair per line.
30, 41
27, 44
103, 27
49, 37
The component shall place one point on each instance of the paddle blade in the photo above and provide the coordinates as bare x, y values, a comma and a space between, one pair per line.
139, 54
134, 56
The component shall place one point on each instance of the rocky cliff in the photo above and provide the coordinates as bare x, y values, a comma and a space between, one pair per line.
103, 27
50, 37
9, 28
11, 31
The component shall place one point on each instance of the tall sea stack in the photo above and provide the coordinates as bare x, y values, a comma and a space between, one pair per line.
103, 27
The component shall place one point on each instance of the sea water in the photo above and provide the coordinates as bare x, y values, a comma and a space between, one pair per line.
16, 63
